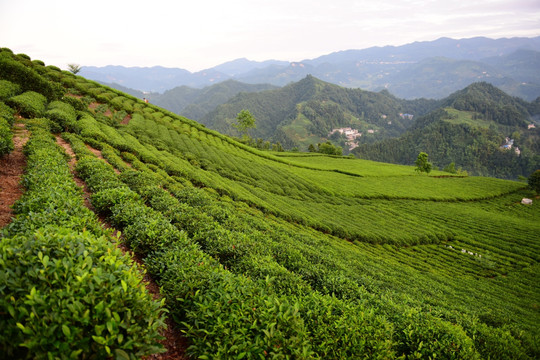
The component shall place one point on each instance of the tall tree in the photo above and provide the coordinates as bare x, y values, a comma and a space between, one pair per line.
244, 122
534, 181
422, 163
74, 68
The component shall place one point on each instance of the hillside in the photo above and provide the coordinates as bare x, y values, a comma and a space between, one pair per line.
256, 254
408, 71
196, 103
305, 112
470, 129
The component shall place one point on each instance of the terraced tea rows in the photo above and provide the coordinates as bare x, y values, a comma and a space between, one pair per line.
301, 256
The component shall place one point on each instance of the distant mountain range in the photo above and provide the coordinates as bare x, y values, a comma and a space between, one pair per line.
430, 69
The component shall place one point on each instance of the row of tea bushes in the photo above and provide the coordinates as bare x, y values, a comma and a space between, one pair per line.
66, 291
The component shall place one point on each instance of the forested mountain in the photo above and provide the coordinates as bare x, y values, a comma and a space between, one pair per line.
470, 129
305, 112
430, 69
196, 103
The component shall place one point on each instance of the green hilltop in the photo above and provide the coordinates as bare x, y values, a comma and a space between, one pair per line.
470, 128
305, 112
257, 253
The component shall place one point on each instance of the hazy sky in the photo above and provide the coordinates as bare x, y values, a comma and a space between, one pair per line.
199, 34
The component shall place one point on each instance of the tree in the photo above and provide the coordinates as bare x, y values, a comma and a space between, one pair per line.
311, 148
450, 168
330, 149
74, 68
422, 163
244, 122
534, 181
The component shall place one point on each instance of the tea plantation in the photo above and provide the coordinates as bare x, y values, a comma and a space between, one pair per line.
258, 254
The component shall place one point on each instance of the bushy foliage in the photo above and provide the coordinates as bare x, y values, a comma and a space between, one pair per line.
70, 295
6, 137
26, 77
7, 113
63, 115
534, 181
67, 293
8, 89
29, 104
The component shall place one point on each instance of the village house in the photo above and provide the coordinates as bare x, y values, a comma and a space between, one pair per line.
508, 144
531, 126
406, 116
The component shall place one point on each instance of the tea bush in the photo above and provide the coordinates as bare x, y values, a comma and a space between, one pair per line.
6, 137
8, 89
63, 115
26, 77
66, 291
29, 104
7, 113
71, 295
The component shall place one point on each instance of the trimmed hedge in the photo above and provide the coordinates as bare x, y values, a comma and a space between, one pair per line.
29, 104
6, 137
8, 89
65, 291
13, 70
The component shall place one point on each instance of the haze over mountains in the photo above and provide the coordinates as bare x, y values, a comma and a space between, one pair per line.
430, 69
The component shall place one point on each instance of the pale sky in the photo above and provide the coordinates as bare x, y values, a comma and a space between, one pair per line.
199, 34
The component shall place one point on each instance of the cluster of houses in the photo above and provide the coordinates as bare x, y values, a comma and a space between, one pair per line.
351, 135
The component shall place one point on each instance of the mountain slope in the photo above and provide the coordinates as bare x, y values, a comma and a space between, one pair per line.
306, 111
196, 103
469, 129
257, 254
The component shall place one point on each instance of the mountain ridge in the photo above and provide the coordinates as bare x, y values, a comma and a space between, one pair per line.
363, 68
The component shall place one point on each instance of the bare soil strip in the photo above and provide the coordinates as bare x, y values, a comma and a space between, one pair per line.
174, 341
12, 167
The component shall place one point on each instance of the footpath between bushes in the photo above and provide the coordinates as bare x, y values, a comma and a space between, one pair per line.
174, 341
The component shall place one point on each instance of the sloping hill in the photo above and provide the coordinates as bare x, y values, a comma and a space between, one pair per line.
298, 255
470, 130
305, 112
196, 103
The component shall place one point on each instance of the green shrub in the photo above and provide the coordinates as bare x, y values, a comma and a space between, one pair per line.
342, 330
420, 335
7, 113
68, 295
8, 89
29, 80
29, 104
6, 137
75, 102
63, 115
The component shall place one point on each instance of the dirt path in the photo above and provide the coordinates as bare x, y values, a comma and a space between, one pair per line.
174, 342
12, 168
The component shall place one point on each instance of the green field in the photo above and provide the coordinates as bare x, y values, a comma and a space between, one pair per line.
261, 254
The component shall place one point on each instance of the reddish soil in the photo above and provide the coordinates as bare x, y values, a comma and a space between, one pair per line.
11, 170
126, 120
95, 152
174, 342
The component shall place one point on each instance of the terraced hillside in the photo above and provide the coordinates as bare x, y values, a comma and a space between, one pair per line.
257, 255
